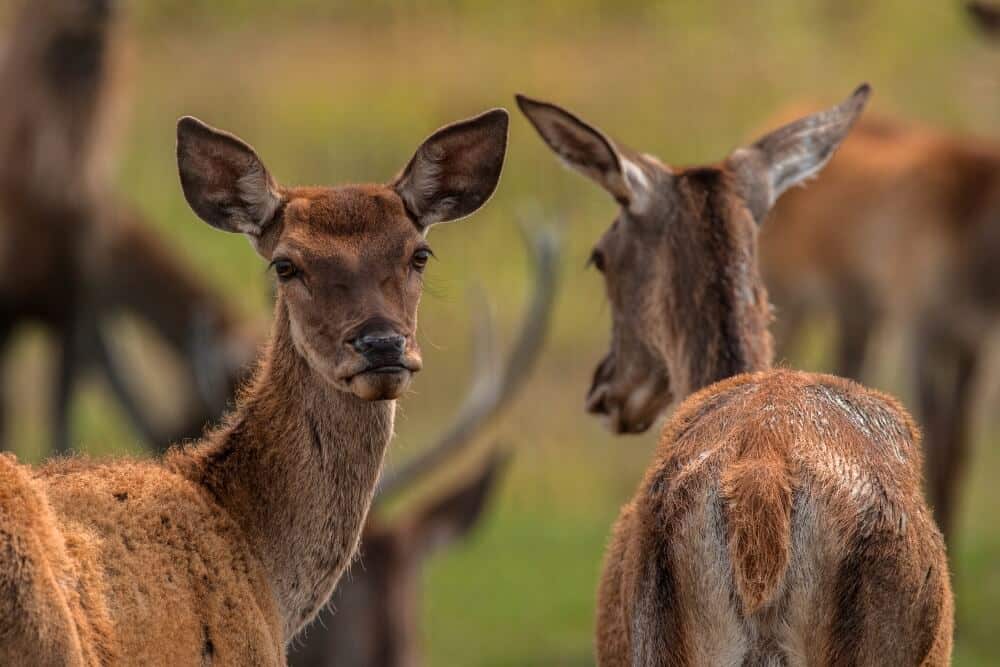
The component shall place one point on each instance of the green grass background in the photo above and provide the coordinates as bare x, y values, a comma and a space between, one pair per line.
330, 92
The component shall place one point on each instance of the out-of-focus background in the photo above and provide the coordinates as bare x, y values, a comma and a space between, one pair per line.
332, 92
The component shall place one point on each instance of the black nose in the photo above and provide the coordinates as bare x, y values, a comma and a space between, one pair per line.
380, 344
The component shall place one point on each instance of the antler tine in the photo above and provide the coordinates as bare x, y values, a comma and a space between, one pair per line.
491, 391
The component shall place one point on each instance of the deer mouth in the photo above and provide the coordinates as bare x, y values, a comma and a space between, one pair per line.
633, 412
385, 370
383, 381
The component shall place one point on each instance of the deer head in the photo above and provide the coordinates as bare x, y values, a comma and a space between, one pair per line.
986, 16
72, 36
349, 260
679, 262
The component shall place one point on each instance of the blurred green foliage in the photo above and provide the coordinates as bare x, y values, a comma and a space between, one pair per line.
334, 91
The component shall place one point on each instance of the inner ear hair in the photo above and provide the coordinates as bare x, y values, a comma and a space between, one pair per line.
795, 152
582, 147
455, 170
223, 179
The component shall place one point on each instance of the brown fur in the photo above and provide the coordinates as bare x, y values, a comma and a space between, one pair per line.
781, 521
75, 254
917, 246
222, 550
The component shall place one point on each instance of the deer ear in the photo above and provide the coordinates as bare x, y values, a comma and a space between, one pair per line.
588, 150
456, 170
793, 153
223, 180
453, 515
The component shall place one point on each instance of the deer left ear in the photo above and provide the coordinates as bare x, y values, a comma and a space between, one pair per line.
456, 170
793, 153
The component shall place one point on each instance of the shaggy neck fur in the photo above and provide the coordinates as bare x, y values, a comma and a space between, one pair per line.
296, 466
720, 306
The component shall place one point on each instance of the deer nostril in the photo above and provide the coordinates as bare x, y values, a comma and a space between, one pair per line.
379, 344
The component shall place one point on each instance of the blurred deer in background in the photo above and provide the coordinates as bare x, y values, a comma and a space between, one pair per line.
782, 520
903, 225
986, 17
74, 253
372, 619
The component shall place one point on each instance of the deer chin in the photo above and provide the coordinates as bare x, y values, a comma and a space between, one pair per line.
636, 412
384, 383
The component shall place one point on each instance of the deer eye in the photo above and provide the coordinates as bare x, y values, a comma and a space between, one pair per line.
284, 269
420, 258
597, 260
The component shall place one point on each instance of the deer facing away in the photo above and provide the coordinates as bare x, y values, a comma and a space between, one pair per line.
222, 550
781, 521
76, 253
903, 226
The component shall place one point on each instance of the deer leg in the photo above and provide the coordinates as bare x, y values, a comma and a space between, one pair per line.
68, 368
946, 371
5, 331
108, 362
856, 318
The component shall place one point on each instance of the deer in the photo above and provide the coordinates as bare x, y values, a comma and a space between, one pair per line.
79, 254
914, 247
221, 550
373, 618
781, 520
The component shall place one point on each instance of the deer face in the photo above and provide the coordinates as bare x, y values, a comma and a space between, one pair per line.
348, 260
679, 262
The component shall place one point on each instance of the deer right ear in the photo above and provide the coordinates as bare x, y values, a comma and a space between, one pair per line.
793, 153
223, 180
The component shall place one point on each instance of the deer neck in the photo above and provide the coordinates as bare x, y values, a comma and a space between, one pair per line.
728, 338
295, 465
717, 307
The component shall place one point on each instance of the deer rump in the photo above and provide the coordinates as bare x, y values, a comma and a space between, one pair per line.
777, 528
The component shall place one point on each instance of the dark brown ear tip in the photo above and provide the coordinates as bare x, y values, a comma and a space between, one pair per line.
526, 104
499, 115
862, 93
189, 125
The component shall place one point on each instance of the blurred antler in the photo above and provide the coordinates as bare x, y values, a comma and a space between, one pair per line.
492, 388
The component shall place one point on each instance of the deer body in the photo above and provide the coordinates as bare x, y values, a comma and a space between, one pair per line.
781, 521
222, 550
917, 246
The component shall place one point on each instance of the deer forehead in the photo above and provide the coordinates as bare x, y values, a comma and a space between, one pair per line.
349, 222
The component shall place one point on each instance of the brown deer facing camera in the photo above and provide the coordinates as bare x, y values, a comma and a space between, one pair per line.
221, 551
74, 253
373, 619
782, 520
